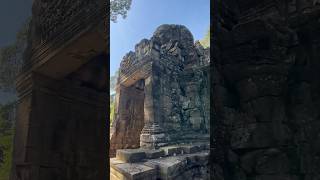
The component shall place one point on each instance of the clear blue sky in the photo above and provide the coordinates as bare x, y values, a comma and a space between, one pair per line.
146, 15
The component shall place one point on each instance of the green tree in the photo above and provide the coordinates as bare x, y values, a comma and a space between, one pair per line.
205, 42
6, 141
111, 112
113, 81
11, 58
119, 7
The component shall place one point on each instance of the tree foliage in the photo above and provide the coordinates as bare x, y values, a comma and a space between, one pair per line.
6, 141
205, 42
119, 7
112, 103
113, 81
11, 58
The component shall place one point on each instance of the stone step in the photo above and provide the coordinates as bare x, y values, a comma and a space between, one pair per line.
169, 167
139, 155
185, 148
132, 171
131, 155
153, 154
171, 150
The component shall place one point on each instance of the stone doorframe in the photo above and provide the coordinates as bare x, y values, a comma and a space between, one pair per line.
151, 134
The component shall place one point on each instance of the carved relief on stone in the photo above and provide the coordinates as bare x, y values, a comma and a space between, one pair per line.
128, 61
52, 17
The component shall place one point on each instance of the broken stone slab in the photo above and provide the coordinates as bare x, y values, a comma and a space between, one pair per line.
190, 148
115, 161
199, 158
131, 155
132, 171
153, 154
172, 166
171, 150
180, 166
205, 146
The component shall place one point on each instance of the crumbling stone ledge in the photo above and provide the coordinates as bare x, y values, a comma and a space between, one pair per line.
172, 162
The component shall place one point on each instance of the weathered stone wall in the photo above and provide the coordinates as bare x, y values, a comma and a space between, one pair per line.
266, 90
179, 99
183, 102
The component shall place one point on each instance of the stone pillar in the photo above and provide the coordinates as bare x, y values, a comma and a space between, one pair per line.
61, 128
152, 135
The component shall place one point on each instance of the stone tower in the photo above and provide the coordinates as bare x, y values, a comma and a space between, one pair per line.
162, 123
162, 92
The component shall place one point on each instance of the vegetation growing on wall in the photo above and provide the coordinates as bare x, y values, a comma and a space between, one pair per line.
205, 42
111, 112
11, 58
6, 141
11, 61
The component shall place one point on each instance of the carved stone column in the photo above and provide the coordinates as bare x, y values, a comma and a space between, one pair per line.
152, 135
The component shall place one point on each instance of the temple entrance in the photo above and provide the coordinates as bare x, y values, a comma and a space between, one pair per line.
129, 117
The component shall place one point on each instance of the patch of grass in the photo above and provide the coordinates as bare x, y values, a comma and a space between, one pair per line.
6, 142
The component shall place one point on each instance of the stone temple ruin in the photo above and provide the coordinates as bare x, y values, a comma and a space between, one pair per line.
162, 122
61, 113
266, 90
265, 87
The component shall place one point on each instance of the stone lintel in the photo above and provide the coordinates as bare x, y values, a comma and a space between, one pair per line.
38, 82
137, 72
79, 52
58, 48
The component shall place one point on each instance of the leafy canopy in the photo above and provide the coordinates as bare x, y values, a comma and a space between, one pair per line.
11, 58
119, 7
205, 42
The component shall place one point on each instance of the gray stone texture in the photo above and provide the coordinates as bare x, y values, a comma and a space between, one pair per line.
130, 155
181, 166
266, 90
